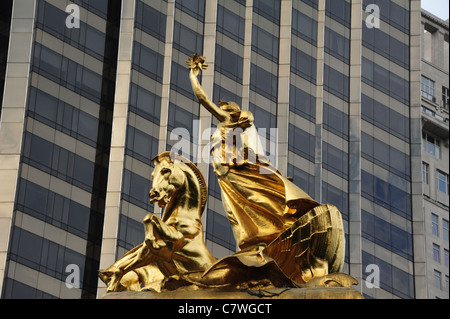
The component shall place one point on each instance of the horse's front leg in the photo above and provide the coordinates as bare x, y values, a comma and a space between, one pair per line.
161, 238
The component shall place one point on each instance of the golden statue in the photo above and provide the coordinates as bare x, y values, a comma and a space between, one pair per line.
286, 239
305, 239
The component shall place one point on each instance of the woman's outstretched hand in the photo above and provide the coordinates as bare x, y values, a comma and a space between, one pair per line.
197, 63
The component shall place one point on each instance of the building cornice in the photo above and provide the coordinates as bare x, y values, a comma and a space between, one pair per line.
441, 23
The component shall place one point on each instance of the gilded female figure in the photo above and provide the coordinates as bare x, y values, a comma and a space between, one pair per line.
259, 201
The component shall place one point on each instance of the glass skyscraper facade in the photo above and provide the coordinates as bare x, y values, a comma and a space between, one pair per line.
86, 108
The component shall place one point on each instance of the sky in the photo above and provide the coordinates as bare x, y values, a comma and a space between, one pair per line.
437, 7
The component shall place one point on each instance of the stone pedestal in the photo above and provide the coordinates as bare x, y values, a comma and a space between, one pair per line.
218, 293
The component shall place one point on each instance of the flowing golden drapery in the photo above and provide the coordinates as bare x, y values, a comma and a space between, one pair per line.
260, 203
304, 237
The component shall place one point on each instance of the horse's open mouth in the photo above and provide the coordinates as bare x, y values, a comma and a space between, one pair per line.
161, 201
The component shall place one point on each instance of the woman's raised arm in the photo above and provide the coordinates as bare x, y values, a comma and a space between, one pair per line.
196, 64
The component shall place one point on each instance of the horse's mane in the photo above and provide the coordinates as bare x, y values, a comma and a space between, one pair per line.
172, 157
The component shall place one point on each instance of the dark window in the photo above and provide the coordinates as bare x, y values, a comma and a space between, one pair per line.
304, 27
386, 235
28, 246
145, 103
54, 209
193, 8
302, 103
148, 61
335, 121
141, 145
392, 279
136, 189
367, 145
399, 161
87, 125
99, 7
385, 156
64, 117
385, 194
367, 225
186, 40
95, 40
383, 231
336, 197
445, 97
61, 163
34, 197
51, 17
219, 230
221, 94
180, 80
71, 75
399, 17
268, 9
265, 43
381, 113
385, 81
301, 142
367, 69
79, 217
150, 20
213, 184
131, 232
40, 151
391, 13
335, 160
338, 10
83, 171
387, 46
431, 145
337, 45
381, 77
399, 200
366, 184
49, 61
263, 119
85, 38
442, 182
312, 3
427, 88
385, 118
266, 124
44, 255
263, 82
381, 151
381, 191
229, 63
180, 118
399, 87
336, 83
230, 24
17, 290
92, 83
303, 64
